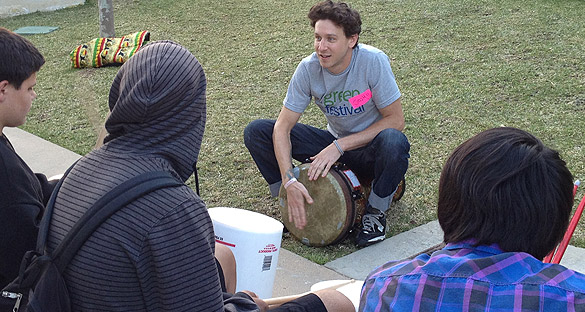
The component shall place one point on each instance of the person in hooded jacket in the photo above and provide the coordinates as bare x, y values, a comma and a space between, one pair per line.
156, 253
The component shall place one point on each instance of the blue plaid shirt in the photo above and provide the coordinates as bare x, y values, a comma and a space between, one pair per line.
461, 277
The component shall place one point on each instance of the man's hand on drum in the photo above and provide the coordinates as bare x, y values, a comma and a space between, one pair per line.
296, 195
322, 162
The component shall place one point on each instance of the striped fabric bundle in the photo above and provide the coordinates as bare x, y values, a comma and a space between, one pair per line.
103, 51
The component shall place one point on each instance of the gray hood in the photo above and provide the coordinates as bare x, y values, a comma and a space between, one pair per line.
158, 106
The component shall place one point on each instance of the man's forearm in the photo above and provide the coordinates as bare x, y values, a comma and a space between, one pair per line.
282, 151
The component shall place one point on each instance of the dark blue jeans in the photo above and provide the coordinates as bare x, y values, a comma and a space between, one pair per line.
384, 160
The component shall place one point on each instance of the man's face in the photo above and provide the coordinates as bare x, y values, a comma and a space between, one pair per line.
332, 46
16, 103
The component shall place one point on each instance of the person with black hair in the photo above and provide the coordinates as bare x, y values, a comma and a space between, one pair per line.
505, 201
23, 194
355, 88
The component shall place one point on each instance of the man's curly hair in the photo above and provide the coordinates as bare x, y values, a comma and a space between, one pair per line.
339, 13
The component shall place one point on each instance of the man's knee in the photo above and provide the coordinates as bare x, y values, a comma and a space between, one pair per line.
333, 300
227, 261
392, 140
259, 129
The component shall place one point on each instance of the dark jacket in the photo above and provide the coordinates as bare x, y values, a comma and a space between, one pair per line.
155, 254
23, 196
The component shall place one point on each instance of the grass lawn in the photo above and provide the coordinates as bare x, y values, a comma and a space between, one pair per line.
462, 67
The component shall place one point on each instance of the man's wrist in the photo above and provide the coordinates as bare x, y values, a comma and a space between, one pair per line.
289, 182
338, 147
290, 174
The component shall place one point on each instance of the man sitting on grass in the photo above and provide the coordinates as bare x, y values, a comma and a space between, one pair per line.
355, 88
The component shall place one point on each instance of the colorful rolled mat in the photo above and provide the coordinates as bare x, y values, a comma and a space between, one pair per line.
105, 51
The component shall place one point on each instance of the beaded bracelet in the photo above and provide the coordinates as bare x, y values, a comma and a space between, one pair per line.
338, 147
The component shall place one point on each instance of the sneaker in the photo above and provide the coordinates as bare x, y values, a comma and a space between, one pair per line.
373, 228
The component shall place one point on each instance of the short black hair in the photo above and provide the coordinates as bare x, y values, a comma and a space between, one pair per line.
340, 14
505, 186
19, 58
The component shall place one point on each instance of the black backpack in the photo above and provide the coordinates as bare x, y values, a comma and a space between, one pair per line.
40, 285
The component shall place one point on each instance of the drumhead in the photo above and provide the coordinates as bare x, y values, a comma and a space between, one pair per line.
332, 213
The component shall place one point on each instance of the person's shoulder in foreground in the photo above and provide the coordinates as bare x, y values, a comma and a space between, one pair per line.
464, 276
23, 194
504, 203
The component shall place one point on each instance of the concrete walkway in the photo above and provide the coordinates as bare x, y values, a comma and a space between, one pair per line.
294, 274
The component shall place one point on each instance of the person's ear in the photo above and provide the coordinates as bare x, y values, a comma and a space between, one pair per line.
3, 86
353, 39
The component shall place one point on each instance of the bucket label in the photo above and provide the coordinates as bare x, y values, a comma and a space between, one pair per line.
268, 249
266, 263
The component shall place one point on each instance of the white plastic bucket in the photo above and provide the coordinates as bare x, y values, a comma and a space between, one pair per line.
255, 240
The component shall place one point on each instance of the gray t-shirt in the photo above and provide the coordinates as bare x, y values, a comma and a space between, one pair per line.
368, 79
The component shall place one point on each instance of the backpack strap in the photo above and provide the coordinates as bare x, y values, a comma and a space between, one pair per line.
106, 206
46, 220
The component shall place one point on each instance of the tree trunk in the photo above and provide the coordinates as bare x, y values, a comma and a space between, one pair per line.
106, 18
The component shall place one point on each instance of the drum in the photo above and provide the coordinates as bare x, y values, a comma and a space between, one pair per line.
340, 201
